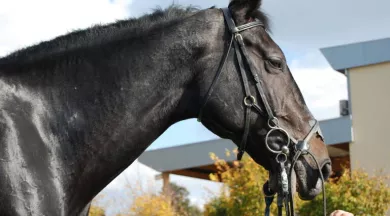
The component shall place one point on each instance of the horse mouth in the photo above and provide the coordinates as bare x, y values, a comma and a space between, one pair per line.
308, 180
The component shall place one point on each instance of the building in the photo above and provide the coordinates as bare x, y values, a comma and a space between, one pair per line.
367, 68
358, 138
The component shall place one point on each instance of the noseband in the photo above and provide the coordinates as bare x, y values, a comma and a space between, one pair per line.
293, 149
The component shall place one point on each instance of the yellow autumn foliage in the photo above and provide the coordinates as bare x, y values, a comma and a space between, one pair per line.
356, 192
241, 194
96, 211
152, 205
242, 188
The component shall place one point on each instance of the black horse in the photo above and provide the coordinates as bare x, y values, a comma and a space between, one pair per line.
79, 109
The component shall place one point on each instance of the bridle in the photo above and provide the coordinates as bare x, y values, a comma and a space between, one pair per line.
288, 151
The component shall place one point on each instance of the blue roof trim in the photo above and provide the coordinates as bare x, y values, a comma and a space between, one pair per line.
186, 156
357, 54
335, 131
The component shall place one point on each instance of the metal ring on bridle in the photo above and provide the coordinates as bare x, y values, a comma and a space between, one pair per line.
249, 101
281, 158
274, 121
266, 140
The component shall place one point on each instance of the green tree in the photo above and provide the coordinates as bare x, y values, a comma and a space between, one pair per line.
180, 201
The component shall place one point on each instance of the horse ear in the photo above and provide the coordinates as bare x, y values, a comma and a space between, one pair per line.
244, 10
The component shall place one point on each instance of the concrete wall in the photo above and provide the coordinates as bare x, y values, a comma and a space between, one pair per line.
370, 100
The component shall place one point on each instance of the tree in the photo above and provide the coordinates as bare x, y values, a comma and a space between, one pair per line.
96, 211
152, 205
181, 202
172, 204
242, 189
355, 191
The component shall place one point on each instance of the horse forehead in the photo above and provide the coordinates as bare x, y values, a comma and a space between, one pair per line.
267, 43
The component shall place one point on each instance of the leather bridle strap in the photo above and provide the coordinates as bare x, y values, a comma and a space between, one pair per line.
216, 77
260, 90
247, 121
249, 99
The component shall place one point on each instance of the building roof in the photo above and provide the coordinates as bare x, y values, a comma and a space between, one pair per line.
337, 130
186, 156
192, 155
357, 54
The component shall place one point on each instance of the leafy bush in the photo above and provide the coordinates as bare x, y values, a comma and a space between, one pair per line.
242, 194
242, 190
152, 205
156, 204
355, 192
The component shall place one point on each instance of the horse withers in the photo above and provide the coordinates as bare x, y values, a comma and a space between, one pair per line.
79, 109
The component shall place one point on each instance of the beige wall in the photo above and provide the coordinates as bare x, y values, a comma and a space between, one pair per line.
370, 100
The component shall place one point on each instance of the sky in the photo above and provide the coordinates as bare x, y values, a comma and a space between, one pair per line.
300, 27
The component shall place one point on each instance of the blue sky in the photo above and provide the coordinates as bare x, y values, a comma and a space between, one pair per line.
300, 27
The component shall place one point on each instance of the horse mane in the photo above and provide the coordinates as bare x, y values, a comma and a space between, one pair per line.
101, 34
98, 34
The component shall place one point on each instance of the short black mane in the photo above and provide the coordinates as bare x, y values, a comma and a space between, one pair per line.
98, 34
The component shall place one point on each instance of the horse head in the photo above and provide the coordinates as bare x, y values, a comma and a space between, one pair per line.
253, 99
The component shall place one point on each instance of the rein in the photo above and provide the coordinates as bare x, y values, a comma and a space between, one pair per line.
299, 148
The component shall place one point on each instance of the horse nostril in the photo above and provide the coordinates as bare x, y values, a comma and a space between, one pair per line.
326, 170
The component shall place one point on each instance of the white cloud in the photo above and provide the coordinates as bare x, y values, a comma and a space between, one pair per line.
136, 172
321, 86
24, 22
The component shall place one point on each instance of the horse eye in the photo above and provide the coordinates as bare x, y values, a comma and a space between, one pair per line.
276, 63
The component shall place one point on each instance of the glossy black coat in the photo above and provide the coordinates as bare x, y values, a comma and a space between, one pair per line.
77, 110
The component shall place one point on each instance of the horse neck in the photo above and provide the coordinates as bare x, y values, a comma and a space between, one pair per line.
160, 89
99, 109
